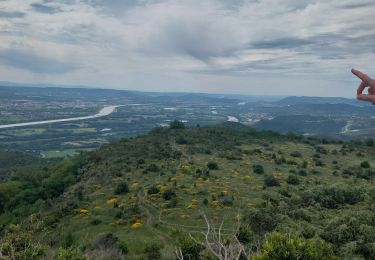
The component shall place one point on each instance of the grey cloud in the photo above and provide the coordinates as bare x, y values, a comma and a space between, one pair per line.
43, 8
358, 5
25, 59
16, 14
282, 43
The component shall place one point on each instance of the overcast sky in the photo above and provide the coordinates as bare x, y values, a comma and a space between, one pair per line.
272, 47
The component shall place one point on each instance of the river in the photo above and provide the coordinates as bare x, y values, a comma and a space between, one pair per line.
103, 112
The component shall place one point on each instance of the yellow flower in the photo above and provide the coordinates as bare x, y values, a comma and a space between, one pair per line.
183, 216
111, 201
84, 211
137, 225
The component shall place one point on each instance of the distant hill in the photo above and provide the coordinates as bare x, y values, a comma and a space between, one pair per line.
140, 198
295, 100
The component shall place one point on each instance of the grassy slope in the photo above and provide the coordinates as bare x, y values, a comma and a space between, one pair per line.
235, 152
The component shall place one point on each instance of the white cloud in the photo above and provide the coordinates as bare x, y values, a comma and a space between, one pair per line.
296, 46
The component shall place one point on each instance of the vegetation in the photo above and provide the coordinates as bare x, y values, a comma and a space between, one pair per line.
151, 197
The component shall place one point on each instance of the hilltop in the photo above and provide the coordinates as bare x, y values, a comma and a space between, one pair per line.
141, 197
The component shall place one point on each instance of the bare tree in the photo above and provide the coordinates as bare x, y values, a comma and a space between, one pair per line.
224, 247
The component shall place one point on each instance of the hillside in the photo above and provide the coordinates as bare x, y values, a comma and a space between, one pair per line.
278, 194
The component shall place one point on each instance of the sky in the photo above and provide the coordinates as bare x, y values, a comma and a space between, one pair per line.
255, 47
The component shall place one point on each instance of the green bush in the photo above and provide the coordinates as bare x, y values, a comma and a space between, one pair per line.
189, 248
271, 181
70, 254
261, 220
212, 166
153, 190
292, 179
365, 164
122, 188
258, 169
168, 194
291, 247
296, 154
152, 252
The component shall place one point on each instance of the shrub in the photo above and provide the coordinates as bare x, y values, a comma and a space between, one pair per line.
304, 164
169, 194
212, 166
181, 140
271, 181
153, 168
189, 248
370, 142
365, 164
292, 179
261, 220
289, 246
153, 190
70, 253
296, 154
123, 247
152, 252
258, 169
334, 196
175, 124
122, 188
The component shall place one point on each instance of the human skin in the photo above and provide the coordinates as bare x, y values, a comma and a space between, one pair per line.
367, 82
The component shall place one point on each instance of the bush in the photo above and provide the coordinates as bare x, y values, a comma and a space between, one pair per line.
153, 190
175, 124
189, 248
296, 154
289, 247
153, 168
152, 252
333, 196
258, 169
261, 220
70, 254
169, 194
271, 181
122, 188
292, 179
365, 164
123, 247
212, 166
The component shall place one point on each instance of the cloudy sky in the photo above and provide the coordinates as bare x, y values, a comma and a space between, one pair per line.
272, 47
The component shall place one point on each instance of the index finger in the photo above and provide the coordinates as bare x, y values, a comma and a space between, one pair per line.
362, 76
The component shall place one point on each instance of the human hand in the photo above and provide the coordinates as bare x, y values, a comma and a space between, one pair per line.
367, 82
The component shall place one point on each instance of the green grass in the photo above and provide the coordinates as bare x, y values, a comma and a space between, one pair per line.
25, 132
63, 153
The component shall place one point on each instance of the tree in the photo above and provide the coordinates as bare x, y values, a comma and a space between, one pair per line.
175, 124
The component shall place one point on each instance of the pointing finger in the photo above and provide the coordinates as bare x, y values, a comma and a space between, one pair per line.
362, 76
